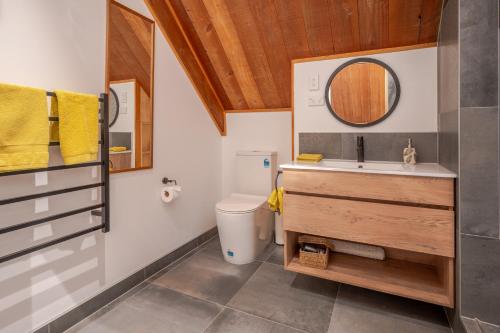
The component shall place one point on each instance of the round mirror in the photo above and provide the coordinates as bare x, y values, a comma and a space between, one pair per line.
362, 92
114, 107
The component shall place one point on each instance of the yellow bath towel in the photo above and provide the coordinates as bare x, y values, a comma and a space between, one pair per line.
24, 128
309, 157
117, 149
78, 126
275, 200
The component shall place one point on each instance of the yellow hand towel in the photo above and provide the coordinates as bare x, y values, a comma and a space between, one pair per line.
275, 200
117, 149
24, 128
309, 157
78, 126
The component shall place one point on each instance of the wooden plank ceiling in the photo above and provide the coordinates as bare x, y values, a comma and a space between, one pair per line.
129, 46
245, 47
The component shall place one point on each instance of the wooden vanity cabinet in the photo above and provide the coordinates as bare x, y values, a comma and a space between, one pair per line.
411, 217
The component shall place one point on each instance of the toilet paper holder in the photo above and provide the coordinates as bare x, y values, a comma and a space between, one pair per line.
166, 181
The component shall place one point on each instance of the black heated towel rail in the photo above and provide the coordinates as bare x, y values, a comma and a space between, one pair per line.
100, 209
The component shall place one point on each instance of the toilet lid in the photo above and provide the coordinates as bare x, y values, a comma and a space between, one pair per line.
240, 203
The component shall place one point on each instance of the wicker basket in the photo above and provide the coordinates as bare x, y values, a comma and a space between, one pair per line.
315, 260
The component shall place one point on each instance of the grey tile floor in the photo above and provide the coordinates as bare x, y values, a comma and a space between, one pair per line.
203, 293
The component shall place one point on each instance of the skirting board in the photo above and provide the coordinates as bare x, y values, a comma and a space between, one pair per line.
90, 306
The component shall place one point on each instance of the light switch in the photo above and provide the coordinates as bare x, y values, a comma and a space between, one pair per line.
314, 82
41, 178
315, 100
123, 97
41, 205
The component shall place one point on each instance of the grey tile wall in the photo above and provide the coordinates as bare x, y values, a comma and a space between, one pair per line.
378, 146
478, 53
481, 278
479, 170
479, 160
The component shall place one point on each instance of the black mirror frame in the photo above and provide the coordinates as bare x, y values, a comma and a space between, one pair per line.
354, 61
117, 102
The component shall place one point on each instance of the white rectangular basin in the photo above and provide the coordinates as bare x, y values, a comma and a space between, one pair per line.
397, 168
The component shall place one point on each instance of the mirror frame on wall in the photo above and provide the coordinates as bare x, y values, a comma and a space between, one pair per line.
362, 60
107, 72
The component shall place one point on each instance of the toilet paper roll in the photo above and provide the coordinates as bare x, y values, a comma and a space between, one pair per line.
169, 193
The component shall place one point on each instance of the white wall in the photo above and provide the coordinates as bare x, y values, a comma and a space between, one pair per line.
61, 44
417, 108
254, 131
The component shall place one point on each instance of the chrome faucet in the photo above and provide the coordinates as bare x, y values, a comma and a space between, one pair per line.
360, 149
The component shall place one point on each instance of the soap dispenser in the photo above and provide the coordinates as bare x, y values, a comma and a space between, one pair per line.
409, 154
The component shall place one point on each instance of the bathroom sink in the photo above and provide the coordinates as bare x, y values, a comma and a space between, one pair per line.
419, 169
366, 165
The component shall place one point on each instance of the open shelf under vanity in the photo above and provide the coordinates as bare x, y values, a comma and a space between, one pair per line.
417, 276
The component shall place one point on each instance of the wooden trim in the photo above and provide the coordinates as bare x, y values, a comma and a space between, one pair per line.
365, 53
138, 127
131, 169
122, 81
259, 110
122, 6
152, 93
292, 97
218, 103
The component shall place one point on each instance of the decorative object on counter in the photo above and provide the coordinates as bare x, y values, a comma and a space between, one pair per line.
410, 154
362, 92
358, 249
314, 251
310, 157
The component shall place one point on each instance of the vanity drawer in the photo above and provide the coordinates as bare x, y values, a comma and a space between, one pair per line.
417, 229
407, 189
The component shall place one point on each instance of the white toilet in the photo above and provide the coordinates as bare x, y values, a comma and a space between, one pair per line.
244, 220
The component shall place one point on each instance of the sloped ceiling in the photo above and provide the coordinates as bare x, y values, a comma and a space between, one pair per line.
245, 47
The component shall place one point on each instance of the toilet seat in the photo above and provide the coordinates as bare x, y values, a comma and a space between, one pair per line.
240, 203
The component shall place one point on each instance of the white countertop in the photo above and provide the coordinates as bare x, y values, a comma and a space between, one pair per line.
388, 168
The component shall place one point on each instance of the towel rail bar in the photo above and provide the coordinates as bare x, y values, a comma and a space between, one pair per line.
50, 193
41, 246
101, 209
52, 118
53, 94
51, 168
56, 143
50, 218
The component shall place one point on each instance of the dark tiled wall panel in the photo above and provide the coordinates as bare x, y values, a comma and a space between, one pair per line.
378, 146
480, 278
479, 160
479, 170
478, 53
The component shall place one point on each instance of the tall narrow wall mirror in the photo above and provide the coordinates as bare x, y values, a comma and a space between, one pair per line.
130, 81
